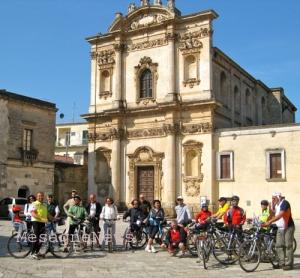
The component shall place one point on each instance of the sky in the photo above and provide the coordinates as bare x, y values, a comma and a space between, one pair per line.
44, 54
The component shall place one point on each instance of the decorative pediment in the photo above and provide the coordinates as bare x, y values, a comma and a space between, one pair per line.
144, 16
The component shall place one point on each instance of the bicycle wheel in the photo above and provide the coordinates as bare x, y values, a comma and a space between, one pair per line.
249, 256
17, 247
224, 251
192, 244
109, 240
209, 244
273, 256
202, 255
139, 239
58, 246
127, 237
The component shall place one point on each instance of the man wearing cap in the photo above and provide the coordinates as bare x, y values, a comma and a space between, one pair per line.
183, 213
224, 206
52, 206
75, 213
183, 218
70, 203
285, 232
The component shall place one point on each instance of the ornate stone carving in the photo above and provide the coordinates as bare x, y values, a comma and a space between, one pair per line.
153, 132
197, 128
192, 186
171, 4
116, 133
107, 154
93, 54
119, 46
106, 57
170, 36
147, 44
191, 82
145, 2
192, 182
190, 43
131, 7
203, 32
146, 62
105, 94
103, 190
170, 129
157, 2
147, 20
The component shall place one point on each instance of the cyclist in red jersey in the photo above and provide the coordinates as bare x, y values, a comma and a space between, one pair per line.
235, 215
203, 214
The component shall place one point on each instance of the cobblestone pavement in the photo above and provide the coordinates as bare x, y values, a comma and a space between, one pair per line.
122, 263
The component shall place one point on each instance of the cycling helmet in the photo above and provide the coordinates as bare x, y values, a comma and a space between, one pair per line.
264, 202
203, 205
235, 198
16, 209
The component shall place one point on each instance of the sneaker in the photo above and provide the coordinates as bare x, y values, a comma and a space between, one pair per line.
153, 250
287, 267
148, 249
34, 257
181, 254
175, 253
41, 256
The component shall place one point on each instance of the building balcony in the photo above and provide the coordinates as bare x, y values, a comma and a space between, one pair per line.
29, 156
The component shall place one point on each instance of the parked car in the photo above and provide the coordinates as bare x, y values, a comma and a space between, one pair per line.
7, 204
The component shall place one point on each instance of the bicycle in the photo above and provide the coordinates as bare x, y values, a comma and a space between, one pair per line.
52, 241
261, 245
109, 236
161, 234
82, 239
19, 246
136, 239
226, 247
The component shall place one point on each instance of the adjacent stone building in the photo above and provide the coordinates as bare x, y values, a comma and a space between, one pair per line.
26, 145
171, 114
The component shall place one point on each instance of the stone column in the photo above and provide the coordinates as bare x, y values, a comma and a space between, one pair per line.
169, 177
117, 77
91, 171
171, 96
115, 164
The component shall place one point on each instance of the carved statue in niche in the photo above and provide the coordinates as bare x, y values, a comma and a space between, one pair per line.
157, 2
171, 4
131, 7
145, 2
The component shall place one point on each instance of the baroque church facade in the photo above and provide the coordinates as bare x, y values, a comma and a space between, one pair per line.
166, 107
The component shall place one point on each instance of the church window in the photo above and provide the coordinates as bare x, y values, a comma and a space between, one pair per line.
146, 84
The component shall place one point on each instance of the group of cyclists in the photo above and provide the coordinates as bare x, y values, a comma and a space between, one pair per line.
142, 212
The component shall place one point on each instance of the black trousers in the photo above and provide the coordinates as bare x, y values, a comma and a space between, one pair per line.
37, 229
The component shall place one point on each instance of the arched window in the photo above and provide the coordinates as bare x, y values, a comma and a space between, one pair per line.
248, 104
105, 81
190, 67
236, 100
146, 84
223, 95
192, 161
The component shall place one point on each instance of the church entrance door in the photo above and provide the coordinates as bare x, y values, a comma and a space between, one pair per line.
146, 182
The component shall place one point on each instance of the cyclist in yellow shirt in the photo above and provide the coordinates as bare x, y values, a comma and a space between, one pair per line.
224, 206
